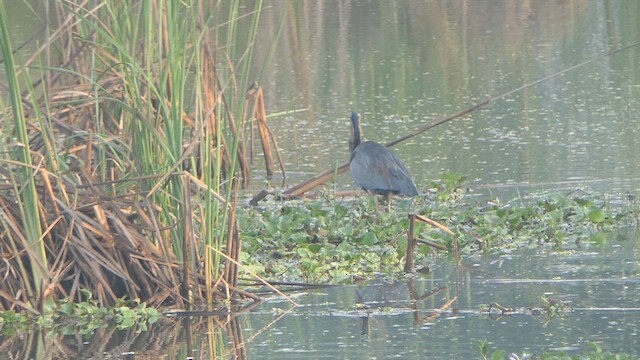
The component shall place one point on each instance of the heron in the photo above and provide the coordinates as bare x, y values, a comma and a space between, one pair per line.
375, 168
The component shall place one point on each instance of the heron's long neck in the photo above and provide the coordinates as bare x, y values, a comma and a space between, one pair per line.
356, 137
356, 131
354, 142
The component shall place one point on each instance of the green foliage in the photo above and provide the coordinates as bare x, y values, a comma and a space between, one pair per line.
318, 241
450, 187
483, 346
555, 307
596, 354
67, 318
335, 240
549, 218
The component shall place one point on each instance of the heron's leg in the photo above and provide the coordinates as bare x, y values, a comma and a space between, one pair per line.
387, 200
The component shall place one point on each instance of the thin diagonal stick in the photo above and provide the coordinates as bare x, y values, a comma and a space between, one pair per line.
254, 274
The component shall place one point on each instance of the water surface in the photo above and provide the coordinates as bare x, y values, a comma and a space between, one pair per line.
404, 63
600, 287
441, 315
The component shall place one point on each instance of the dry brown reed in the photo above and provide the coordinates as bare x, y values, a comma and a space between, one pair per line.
136, 155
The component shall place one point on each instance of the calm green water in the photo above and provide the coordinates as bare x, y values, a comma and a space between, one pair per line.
600, 285
603, 302
402, 64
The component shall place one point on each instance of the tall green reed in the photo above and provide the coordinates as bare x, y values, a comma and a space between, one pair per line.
142, 172
22, 170
181, 95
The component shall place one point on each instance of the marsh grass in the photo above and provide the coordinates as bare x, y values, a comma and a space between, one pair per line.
122, 153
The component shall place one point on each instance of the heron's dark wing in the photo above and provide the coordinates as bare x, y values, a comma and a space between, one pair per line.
399, 176
375, 168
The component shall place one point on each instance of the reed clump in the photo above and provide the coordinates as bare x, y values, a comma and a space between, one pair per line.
121, 152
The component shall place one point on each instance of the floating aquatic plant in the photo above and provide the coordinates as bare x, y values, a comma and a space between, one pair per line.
336, 239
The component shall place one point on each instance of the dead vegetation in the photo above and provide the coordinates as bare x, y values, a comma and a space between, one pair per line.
123, 182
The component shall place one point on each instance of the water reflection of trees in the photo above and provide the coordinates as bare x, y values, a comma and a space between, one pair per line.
170, 338
336, 47
402, 62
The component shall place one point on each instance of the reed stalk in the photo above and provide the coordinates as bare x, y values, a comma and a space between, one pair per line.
19, 167
129, 151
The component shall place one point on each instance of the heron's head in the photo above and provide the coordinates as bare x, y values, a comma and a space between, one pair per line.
356, 130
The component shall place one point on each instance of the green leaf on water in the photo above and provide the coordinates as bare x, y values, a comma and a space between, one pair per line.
582, 202
309, 250
369, 238
596, 214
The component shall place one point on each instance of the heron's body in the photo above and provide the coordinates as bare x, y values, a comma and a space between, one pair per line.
377, 169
